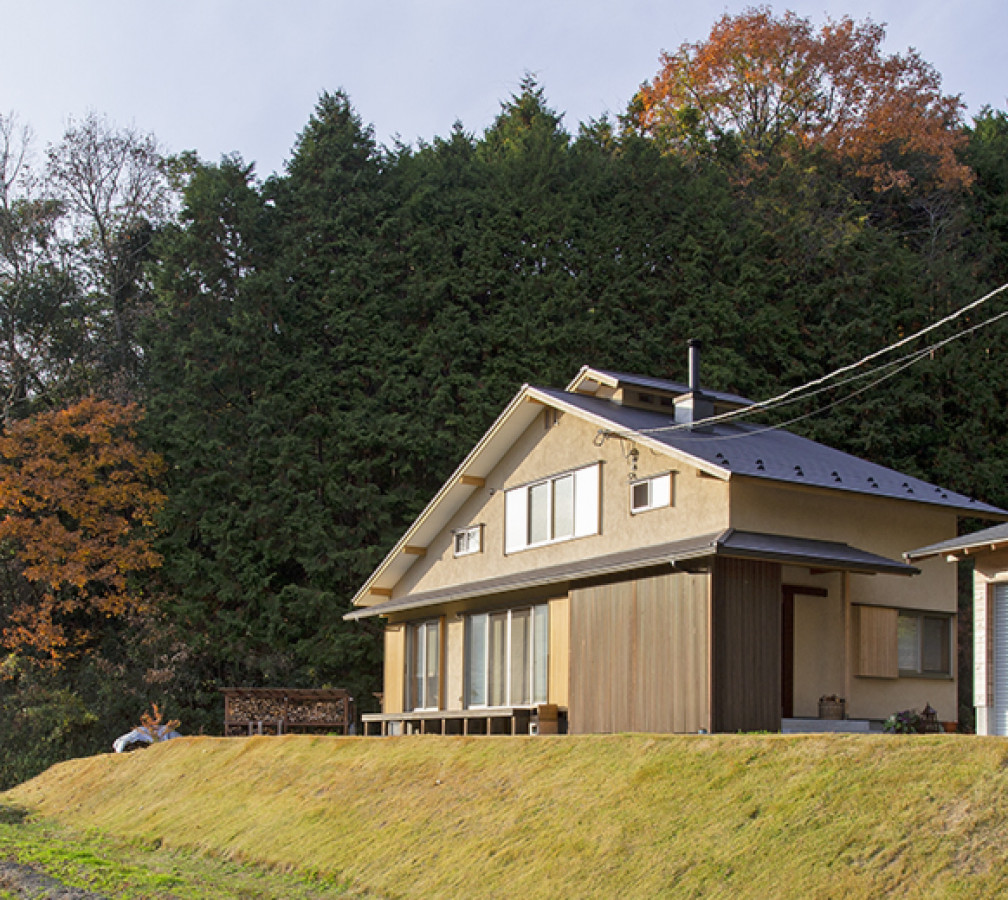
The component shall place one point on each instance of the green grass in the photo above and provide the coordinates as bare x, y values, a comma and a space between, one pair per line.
599, 816
130, 869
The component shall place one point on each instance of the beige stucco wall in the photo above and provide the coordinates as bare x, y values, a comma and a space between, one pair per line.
823, 630
700, 506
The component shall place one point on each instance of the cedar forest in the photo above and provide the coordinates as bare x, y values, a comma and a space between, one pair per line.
225, 398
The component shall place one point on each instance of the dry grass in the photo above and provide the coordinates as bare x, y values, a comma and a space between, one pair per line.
601, 816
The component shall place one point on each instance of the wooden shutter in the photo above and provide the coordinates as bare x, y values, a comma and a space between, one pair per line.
877, 652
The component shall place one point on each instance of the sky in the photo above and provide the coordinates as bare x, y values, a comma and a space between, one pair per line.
222, 76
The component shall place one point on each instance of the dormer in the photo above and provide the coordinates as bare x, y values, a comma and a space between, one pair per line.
683, 402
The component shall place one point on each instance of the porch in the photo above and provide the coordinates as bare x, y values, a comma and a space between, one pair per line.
544, 718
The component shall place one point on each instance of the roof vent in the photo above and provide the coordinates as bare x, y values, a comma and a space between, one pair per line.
798, 471
836, 477
760, 466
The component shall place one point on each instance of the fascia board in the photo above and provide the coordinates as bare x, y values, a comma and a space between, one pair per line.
441, 503
588, 373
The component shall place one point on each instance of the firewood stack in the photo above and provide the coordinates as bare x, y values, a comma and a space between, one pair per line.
283, 710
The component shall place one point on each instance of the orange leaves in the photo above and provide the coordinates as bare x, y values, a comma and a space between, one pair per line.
76, 497
773, 82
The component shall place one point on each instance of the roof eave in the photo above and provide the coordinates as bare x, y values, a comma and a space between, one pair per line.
608, 425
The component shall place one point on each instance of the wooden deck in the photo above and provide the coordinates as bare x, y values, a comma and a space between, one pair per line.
541, 719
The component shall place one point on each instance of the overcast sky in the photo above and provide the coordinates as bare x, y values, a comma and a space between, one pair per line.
219, 76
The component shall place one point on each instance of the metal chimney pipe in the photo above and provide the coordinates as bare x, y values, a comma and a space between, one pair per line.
694, 364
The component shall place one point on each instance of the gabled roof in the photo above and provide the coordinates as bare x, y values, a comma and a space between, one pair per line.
994, 538
771, 453
723, 451
612, 379
826, 555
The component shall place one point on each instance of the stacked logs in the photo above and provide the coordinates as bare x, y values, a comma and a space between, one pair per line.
277, 710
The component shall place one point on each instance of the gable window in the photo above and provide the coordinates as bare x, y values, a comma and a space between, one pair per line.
924, 643
507, 657
651, 493
468, 540
555, 509
423, 665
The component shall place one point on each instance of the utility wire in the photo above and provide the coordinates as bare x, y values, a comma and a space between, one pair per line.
818, 385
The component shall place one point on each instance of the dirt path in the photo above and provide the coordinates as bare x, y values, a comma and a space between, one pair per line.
23, 881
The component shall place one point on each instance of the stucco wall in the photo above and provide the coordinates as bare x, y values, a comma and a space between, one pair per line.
699, 506
824, 642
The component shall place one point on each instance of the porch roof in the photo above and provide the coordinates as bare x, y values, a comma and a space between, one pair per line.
989, 539
829, 555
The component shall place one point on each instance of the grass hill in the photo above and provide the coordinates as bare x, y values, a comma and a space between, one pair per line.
598, 816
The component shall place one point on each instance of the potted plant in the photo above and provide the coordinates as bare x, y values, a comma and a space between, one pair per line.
832, 706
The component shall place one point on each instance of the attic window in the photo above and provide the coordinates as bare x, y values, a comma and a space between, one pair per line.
557, 509
651, 493
468, 540
645, 398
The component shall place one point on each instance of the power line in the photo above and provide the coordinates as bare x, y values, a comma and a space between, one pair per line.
818, 385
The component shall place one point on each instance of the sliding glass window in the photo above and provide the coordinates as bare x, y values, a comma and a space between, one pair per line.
507, 657
424, 665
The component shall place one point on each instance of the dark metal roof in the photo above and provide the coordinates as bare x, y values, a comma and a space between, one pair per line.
674, 387
637, 558
775, 454
731, 543
807, 552
989, 537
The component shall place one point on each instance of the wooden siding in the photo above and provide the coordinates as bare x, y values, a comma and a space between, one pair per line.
559, 651
875, 631
746, 645
395, 668
639, 655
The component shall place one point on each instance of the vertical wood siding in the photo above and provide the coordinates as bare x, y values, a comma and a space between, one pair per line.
395, 668
746, 645
639, 655
877, 641
559, 650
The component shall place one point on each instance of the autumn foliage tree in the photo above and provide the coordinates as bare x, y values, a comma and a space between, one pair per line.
77, 498
772, 82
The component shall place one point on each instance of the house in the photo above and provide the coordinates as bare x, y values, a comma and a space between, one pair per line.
607, 556
988, 549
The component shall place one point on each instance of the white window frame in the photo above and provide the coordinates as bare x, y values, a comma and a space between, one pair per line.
534, 670
471, 537
587, 500
659, 492
918, 617
422, 627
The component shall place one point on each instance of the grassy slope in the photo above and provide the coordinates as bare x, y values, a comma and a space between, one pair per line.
625, 815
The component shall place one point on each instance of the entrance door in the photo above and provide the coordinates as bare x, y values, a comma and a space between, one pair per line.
789, 592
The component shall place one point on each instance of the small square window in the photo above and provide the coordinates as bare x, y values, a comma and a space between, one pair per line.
651, 493
469, 540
